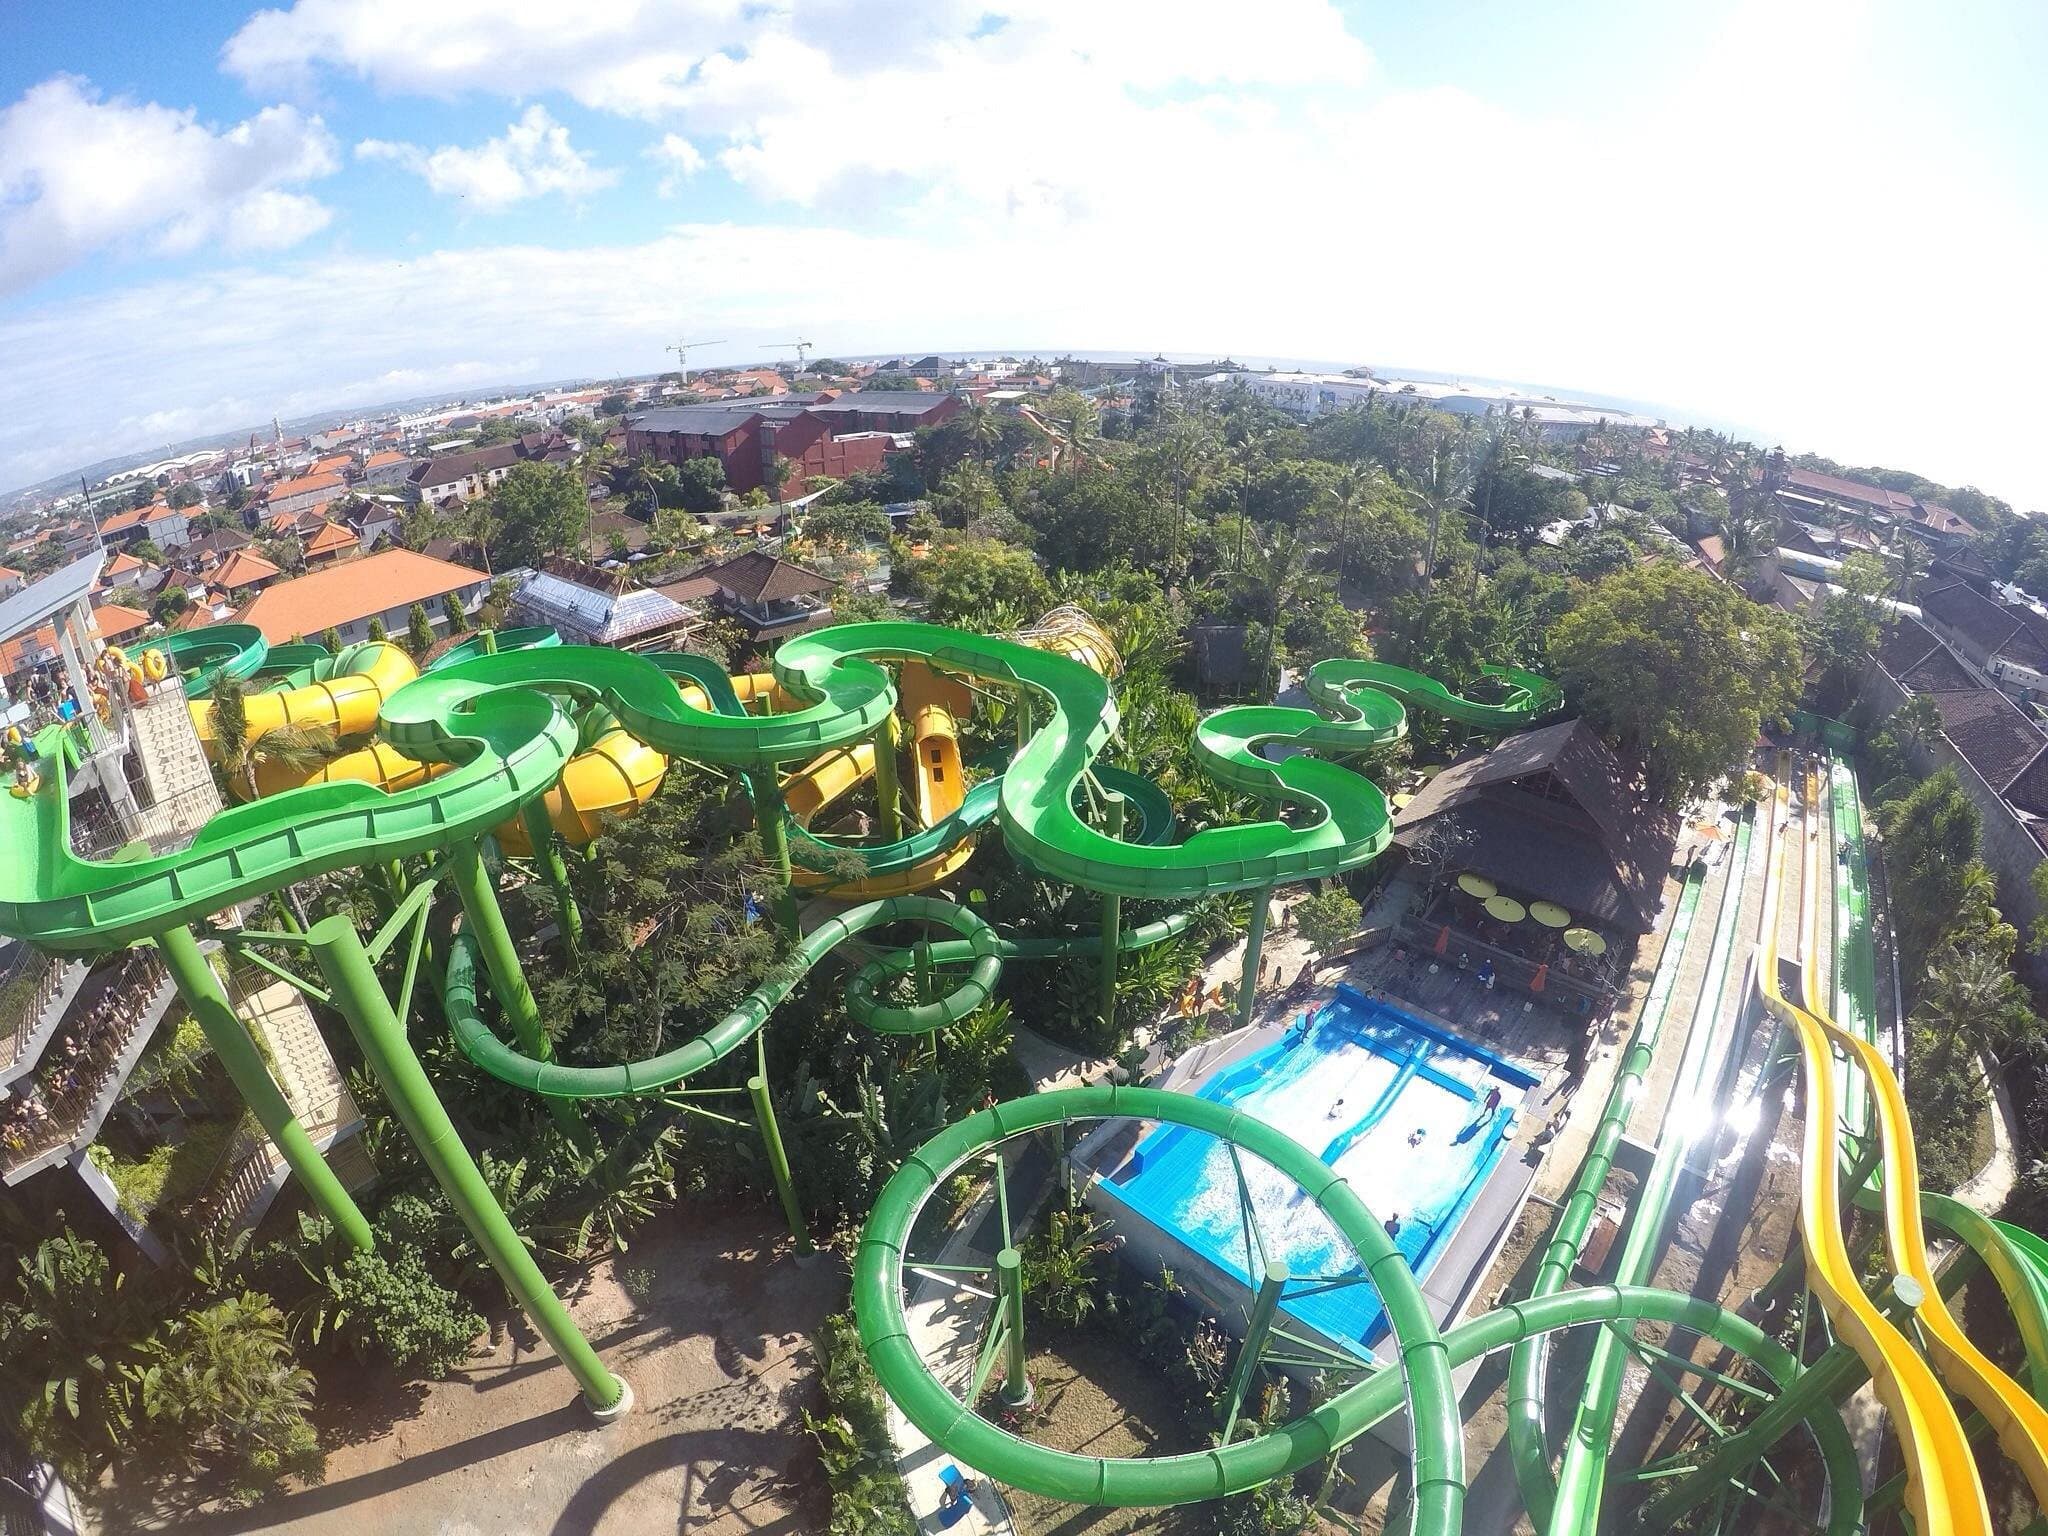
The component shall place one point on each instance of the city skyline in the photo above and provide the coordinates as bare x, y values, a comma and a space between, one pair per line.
1727, 213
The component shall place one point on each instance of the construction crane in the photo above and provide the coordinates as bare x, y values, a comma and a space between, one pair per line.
682, 352
801, 348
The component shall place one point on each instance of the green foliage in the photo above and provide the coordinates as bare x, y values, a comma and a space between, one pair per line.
976, 582
1680, 670
330, 638
376, 630
860, 522
387, 1304
1327, 919
458, 620
222, 1383
868, 1496
538, 510
419, 632
1064, 1265
1931, 839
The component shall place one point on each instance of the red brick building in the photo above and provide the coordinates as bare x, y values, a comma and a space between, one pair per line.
828, 433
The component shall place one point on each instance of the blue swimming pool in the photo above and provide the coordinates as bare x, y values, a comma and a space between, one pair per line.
1394, 1104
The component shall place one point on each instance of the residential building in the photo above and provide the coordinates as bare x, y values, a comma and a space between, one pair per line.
460, 477
209, 550
348, 594
386, 467
2000, 757
308, 493
11, 581
118, 623
329, 542
243, 574
589, 606
2006, 642
829, 433
374, 520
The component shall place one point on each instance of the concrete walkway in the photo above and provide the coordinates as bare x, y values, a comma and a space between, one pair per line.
1991, 1186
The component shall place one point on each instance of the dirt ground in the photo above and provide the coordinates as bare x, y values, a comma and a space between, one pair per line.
1093, 1397
707, 1317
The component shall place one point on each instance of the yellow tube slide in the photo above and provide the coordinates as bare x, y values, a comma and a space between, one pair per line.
825, 778
347, 703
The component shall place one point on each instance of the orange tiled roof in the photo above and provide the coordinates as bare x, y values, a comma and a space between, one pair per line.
118, 619
305, 485
8, 572
44, 639
132, 518
331, 464
122, 564
243, 568
387, 456
156, 512
329, 540
353, 589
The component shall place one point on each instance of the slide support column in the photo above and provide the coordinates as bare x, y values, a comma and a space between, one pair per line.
1112, 917
888, 788
771, 817
547, 853
1016, 1391
360, 998
485, 921
229, 1036
1254, 955
778, 1157
1257, 1329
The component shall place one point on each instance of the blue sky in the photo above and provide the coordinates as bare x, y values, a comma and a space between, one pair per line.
1821, 216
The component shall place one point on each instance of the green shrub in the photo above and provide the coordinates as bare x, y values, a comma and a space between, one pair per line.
387, 1304
868, 1496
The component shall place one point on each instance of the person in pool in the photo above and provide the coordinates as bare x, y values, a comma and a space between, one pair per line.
1393, 1225
1415, 1136
1336, 1108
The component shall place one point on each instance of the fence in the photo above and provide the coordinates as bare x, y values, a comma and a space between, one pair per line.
26, 1002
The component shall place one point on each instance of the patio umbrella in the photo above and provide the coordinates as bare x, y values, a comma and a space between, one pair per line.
1550, 914
1506, 908
1476, 885
1585, 941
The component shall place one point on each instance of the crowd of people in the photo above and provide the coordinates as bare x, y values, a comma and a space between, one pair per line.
45, 1109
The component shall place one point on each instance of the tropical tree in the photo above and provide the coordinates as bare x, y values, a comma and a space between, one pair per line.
298, 748
1679, 670
419, 632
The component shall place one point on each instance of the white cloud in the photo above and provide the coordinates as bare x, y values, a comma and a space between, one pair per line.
78, 173
532, 159
679, 159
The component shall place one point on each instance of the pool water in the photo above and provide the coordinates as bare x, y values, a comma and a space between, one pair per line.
1395, 1105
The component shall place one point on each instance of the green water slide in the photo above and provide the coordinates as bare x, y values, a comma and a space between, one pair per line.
1420, 1381
1342, 684
201, 655
1582, 1471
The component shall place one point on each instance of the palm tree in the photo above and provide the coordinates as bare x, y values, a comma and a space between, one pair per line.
1908, 565
297, 748
1972, 1001
1186, 450
983, 430
1279, 575
1447, 487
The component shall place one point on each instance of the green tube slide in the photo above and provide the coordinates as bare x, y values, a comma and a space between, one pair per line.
976, 946
527, 638
1581, 1478
1358, 689
1528, 1444
1421, 1384
201, 655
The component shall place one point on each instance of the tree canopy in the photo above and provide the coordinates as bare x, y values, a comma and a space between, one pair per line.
1678, 670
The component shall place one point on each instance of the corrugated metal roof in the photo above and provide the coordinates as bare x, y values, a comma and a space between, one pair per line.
60, 589
602, 618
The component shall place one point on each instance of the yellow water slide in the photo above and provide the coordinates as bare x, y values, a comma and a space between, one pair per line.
346, 701
1942, 1487
2020, 1422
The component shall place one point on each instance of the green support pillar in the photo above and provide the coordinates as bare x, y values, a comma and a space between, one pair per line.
230, 1039
1020, 705
1257, 1329
547, 854
771, 818
490, 641
1016, 1392
485, 921
360, 998
888, 787
1112, 918
778, 1158
1254, 955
